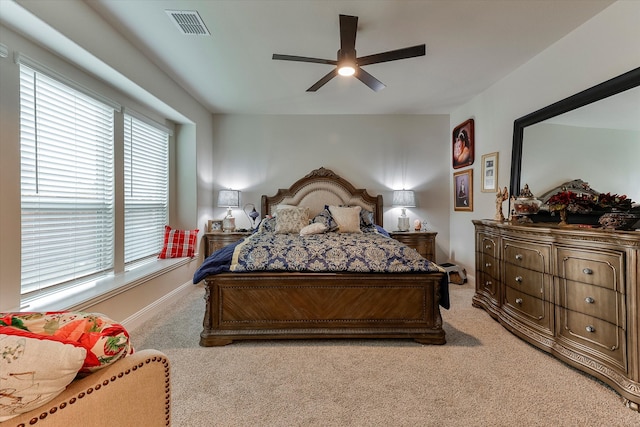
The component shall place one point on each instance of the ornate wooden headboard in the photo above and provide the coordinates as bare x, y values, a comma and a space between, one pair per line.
323, 187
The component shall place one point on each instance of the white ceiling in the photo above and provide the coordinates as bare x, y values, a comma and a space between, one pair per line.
471, 44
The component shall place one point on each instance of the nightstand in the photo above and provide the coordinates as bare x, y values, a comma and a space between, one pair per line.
218, 240
422, 241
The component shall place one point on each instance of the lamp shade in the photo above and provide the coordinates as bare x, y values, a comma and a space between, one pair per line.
404, 199
228, 199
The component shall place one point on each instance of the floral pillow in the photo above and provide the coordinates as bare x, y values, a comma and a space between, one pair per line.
34, 371
178, 243
105, 340
291, 220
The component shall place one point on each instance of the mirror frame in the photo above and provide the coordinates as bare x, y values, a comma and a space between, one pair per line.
603, 90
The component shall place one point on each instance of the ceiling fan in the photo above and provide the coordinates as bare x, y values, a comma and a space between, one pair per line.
348, 64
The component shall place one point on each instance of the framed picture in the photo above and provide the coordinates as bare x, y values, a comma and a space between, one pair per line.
463, 187
216, 226
490, 173
463, 144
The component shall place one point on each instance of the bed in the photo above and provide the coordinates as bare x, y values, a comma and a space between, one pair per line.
311, 304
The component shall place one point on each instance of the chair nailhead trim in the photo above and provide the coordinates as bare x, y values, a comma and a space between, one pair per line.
97, 387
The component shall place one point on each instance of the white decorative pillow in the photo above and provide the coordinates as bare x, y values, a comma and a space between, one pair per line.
348, 219
291, 220
34, 371
315, 228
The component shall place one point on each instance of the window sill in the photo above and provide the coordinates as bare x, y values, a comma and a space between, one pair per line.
102, 289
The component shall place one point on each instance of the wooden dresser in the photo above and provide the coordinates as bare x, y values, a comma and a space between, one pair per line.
572, 292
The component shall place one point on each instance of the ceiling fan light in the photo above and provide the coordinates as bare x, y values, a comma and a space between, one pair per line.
346, 70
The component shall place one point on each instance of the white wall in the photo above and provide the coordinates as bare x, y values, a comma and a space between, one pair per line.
602, 48
260, 154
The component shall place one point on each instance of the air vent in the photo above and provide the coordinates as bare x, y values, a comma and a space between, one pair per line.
189, 22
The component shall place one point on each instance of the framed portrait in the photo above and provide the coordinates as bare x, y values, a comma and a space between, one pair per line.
489, 173
463, 187
463, 145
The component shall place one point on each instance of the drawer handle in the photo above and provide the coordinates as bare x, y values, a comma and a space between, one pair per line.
519, 257
488, 247
590, 329
488, 264
518, 300
589, 300
587, 271
519, 279
488, 283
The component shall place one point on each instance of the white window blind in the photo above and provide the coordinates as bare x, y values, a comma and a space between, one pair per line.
67, 197
146, 181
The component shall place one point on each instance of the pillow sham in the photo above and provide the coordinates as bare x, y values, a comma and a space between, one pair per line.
178, 243
348, 219
291, 220
34, 372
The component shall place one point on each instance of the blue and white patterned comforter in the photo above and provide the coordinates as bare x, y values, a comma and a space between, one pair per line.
327, 252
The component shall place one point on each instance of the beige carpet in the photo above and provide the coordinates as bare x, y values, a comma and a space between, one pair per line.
483, 376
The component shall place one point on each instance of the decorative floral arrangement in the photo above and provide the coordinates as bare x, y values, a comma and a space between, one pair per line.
613, 201
585, 203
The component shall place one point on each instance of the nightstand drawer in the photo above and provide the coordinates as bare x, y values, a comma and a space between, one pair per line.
215, 241
423, 242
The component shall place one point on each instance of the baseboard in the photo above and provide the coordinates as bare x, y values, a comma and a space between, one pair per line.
142, 316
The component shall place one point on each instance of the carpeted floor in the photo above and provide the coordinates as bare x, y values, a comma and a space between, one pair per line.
483, 376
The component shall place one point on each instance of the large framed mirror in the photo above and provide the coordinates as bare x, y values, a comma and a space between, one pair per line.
593, 135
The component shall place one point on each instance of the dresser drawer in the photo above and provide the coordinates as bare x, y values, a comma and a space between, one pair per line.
488, 285
527, 255
488, 265
594, 268
487, 244
605, 340
594, 301
531, 282
528, 308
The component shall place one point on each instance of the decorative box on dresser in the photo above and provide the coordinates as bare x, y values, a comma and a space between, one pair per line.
422, 241
573, 292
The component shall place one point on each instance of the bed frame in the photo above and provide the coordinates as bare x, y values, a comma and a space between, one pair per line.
249, 306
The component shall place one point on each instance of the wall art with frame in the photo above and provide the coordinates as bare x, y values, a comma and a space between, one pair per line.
489, 173
463, 188
463, 144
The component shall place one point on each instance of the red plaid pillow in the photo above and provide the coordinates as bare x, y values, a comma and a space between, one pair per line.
178, 243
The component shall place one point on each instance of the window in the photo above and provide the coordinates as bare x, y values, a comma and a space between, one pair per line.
67, 182
146, 182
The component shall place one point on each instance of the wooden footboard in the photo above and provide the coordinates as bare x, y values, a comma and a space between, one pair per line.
251, 306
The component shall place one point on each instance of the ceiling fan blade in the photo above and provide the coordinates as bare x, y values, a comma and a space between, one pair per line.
393, 55
303, 59
369, 80
323, 81
348, 28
